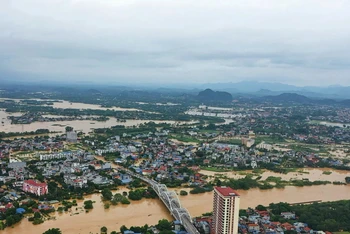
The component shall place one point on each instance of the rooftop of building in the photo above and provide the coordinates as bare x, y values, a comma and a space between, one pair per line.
34, 183
226, 191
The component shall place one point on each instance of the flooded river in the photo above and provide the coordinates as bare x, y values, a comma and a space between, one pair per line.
331, 124
149, 211
146, 211
201, 203
76, 105
85, 126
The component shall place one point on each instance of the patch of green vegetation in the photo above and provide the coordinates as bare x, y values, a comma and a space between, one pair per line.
183, 193
301, 183
258, 171
338, 183
304, 148
273, 179
111, 156
207, 131
214, 169
274, 139
303, 172
327, 172
331, 216
185, 138
88, 205
232, 141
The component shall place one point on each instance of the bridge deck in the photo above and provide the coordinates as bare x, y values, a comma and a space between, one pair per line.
172, 203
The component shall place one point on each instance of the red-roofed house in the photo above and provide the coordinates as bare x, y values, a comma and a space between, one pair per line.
146, 172
287, 226
276, 224
252, 227
35, 187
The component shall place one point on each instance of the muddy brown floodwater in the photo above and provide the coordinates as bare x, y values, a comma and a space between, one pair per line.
311, 174
149, 211
146, 211
85, 126
202, 203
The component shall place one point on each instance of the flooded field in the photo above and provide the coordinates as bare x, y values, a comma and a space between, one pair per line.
76, 105
85, 126
311, 174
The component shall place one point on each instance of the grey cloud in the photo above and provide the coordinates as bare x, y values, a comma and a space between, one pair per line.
295, 42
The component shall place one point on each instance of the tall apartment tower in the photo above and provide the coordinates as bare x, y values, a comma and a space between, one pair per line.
226, 211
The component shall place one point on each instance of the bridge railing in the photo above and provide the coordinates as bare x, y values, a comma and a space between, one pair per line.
172, 202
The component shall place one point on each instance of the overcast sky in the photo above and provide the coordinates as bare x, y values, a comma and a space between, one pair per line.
300, 42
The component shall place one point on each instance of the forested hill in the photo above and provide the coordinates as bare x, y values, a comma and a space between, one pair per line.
209, 95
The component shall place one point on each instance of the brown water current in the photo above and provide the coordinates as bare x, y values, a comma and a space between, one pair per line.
79, 125
149, 211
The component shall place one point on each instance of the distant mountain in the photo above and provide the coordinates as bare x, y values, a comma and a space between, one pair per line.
300, 99
251, 86
94, 91
288, 97
268, 88
345, 102
209, 95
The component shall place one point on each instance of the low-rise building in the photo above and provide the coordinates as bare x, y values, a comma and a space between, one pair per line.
35, 187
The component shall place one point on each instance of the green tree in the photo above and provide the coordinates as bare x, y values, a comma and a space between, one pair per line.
69, 129
183, 193
135, 195
37, 215
347, 179
53, 231
103, 229
163, 225
261, 208
88, 205
123, 229
2, 225
166, 232
10, 221
107, 194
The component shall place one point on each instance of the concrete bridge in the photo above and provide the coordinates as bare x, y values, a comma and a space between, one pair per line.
171, 201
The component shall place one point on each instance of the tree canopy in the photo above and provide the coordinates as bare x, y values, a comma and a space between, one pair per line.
53, 231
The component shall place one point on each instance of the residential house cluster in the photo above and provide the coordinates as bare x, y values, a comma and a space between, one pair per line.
259, 222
